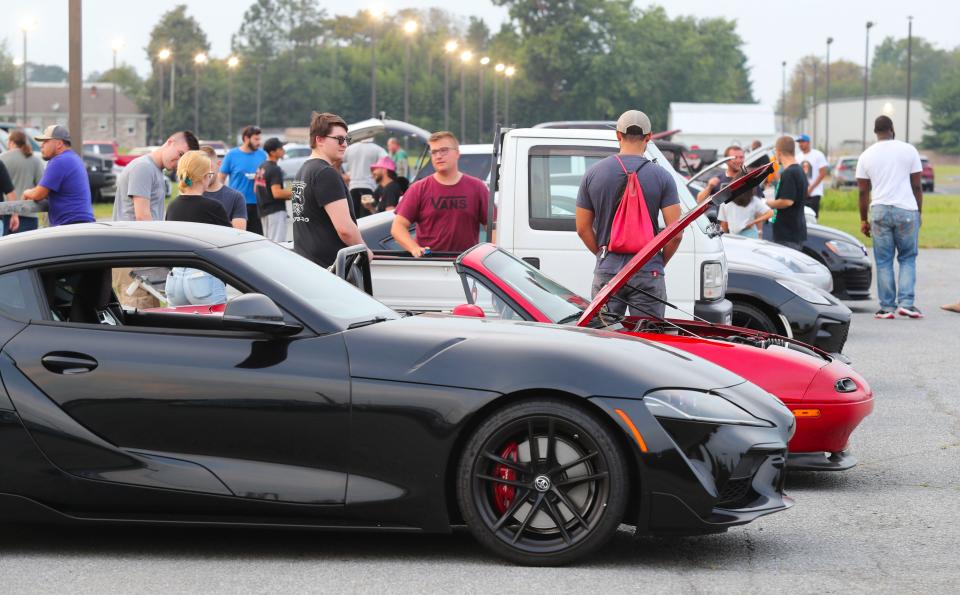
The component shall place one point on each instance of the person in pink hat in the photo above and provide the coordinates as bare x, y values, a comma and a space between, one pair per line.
387, 195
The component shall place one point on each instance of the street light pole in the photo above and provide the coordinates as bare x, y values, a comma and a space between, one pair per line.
465, 59
483, 66
450, 48
783, 97
508, 72
866, 81
826, 125
17, 63
116, 46
198, 61
162, 56
410, 28
375, 14
815, 68
232, 63
497, 71
909, 65
27, 25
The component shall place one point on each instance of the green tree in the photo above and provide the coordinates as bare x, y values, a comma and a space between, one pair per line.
888, 71
944, 107
846, 80
9, 74
46, 73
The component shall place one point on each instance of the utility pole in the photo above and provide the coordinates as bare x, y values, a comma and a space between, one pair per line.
783, 97
815, 65
866, 82
909, 65
75, 76
826, 124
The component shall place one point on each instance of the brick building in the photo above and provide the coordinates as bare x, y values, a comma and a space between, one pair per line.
49, 104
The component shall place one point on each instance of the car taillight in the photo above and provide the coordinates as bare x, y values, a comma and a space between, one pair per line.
711, 281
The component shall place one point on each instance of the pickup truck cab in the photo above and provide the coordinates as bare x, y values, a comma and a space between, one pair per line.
535, 192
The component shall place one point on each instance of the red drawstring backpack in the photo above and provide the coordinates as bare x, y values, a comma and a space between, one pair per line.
632, 227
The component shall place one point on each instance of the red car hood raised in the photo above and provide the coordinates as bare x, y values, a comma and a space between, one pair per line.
744, 183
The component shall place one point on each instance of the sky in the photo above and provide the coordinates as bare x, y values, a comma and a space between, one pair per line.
771, 34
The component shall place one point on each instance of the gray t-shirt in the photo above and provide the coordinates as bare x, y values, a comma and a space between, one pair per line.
232, 200
357, 160
601, 189
141, 177
25, 172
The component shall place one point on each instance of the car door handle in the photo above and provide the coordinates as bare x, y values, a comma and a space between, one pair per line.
532, 261
61, 362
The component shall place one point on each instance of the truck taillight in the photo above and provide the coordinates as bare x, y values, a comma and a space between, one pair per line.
711, 281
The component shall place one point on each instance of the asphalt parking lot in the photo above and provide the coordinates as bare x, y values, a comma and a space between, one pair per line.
890, 524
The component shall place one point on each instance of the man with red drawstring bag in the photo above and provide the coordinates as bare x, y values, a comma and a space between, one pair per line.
618, 205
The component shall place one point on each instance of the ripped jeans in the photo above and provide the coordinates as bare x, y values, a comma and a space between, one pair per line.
895, 231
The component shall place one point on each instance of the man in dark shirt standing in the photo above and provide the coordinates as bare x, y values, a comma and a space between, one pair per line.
323, 217
790, 226
268, 185
599, 197
387, 194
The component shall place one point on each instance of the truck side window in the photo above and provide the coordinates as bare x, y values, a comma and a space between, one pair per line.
555, 174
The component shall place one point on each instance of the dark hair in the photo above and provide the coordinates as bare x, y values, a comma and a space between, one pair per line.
272, 144
192, 143
743, 199
726, 152
321, 124
19, 138
250, 131
883, 124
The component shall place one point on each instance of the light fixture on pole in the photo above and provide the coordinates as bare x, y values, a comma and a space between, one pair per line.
198, 61
376, 14
909, 65
826, 125
508, 72
409, 29
162, 56
497, 71
116, 46
783, 97
27, 25
465, 58
232, 63
866, 81
450, 48
484, 62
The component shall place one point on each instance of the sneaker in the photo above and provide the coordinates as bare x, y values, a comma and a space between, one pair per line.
910, 311
884, 315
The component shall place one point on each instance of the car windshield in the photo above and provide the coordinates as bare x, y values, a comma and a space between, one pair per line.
310, 282
101, 148
476, 165
555, 301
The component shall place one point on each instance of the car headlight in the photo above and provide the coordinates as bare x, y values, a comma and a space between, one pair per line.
807, 292
846, 249
691, 405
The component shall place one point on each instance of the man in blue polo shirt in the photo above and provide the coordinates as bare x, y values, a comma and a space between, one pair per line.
64, 182
239, 167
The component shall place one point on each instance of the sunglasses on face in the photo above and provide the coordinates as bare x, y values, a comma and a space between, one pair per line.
341, 140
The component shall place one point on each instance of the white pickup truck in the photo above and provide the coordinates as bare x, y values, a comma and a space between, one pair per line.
536, 188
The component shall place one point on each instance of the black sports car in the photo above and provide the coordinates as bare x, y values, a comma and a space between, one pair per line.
302, 402
845, 256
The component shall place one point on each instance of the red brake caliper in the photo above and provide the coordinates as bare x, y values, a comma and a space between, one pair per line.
503, 494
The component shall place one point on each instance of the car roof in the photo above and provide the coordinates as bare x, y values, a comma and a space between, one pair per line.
117, 236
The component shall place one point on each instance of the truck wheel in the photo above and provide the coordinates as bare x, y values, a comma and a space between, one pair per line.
749, 316
542, 482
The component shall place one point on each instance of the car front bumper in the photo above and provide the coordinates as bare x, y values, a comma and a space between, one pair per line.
824, 326
715, 311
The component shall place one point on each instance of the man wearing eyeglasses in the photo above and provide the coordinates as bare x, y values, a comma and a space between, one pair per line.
357, 160
141, 190
324, 220
448, 207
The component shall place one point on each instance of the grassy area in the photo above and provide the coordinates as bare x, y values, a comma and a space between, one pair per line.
943, 173
941, 217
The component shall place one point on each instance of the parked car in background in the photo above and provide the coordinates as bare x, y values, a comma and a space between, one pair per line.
844, 172
293, 150
926, 177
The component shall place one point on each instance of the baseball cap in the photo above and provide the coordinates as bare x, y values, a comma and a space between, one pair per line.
386, 163
630, 120
803, 138
54, 132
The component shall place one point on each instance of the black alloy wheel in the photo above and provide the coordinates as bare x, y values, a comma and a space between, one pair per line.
749, 316
542, 482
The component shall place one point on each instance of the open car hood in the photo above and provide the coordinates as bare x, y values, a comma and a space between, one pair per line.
374, 126
745, 183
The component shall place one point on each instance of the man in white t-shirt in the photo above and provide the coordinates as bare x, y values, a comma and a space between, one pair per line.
888, 174
818, 170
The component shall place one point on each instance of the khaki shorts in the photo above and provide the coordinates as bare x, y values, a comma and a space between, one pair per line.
140, 298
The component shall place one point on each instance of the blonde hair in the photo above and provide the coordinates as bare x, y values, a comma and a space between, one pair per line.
438, 136
191, 169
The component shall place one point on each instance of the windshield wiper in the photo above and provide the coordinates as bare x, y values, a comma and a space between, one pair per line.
572, 318
373, 320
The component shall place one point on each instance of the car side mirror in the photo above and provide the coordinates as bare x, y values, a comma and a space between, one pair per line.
256, 312
469, 310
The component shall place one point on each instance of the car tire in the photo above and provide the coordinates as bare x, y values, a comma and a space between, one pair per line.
749, 316
551, 504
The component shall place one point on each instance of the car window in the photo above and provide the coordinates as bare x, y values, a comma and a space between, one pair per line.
554, 180
493, 306
135, 295
17, 298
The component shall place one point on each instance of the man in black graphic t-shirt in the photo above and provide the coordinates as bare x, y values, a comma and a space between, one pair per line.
790, 226
323, 217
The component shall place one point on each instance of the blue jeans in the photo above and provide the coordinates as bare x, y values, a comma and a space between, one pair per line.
895, 230
26, 224
192, 287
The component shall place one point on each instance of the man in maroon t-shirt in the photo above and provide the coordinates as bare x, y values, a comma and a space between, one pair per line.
448, 207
